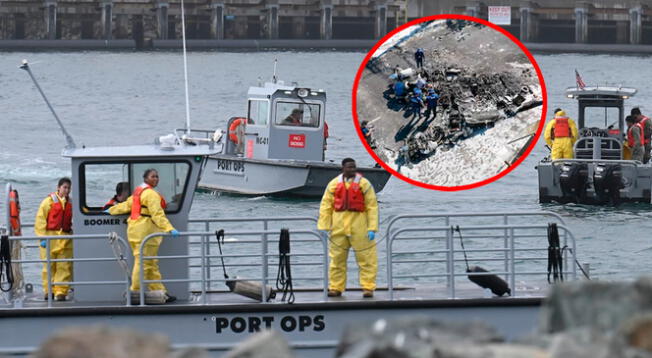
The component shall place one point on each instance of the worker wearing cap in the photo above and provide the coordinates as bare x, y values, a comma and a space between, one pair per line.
560, 135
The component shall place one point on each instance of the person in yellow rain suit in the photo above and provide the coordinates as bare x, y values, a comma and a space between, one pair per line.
54, 218
147, 207
560, 135
349, 211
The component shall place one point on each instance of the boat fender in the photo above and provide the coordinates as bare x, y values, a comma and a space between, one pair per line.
482, 277
250, 289
14, 214
6, 270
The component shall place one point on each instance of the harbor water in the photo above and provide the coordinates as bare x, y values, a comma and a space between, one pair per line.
121, 98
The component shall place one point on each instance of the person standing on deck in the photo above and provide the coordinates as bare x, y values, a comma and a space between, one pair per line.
348, 214
54, 218
560, 135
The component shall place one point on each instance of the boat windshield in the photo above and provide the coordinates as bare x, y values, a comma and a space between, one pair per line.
297, 114
601, 117
258, 112
98, 182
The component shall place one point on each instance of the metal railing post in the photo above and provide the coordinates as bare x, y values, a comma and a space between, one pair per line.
451, 263
208, 252
448, 252
203, 268
49, 272
506, 245
390, 280
512, 271
324, 242
141, 273
265, 262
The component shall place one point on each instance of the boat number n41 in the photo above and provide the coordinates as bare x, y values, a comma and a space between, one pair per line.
262, 140
254, 324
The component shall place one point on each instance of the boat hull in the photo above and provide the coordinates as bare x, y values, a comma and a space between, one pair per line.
312, 329
254, 177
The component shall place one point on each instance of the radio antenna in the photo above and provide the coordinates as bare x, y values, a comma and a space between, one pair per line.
70, 144
185, 67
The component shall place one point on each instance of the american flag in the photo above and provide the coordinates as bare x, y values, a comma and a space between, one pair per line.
578, 80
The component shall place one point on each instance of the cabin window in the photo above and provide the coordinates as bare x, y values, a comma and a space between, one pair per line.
258, 112
601, 117
98, 182
297, 114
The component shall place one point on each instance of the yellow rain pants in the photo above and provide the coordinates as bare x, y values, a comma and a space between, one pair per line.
562, 148
349, 229
152, 220
59, 249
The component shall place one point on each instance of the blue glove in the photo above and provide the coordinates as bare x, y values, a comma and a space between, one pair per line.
43, 244
372, 235
174, 232
106, 211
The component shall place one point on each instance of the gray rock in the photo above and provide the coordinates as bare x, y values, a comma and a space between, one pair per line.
410, 337
266, 344
103, 342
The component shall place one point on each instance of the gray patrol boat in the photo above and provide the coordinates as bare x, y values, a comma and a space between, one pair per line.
598, 173
423, 266
280, 149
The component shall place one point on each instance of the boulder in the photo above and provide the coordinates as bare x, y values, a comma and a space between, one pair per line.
265, 344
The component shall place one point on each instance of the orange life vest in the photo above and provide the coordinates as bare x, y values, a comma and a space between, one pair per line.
642, 122
233, 129
110, 203
14, 213
630, 135
351, 199
562, 128
59, 217
136, 205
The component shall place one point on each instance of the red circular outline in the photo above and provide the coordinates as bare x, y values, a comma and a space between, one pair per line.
439, 187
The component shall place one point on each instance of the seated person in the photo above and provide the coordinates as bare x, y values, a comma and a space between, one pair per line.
294, 119
122, 192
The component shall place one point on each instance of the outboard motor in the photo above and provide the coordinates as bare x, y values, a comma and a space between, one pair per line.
607, 181
573, 180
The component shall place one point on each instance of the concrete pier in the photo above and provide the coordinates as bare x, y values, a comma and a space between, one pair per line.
380, 19
272, 7
635, 25
217, 20
582, 23
326, 23
107, 19
51, 18
162, 19
529, 22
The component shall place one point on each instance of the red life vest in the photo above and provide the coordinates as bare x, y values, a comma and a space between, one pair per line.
14, 213
562, 128
109, 203
642, 122
351, 199
136, 205
630, 135
59, 218
233, 130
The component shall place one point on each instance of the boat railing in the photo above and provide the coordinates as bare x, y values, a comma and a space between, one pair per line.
48, 260
228, 224
262, 239
521, 247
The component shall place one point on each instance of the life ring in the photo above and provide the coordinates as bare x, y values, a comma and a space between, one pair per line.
14, 213
233, 129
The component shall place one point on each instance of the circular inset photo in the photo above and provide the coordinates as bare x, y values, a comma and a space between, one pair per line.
449, 102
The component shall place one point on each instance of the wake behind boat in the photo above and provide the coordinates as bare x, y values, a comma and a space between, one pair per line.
279, 148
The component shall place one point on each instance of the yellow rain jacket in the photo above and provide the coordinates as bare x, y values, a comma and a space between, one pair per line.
349, 229
151, 220
562, 148
59, 249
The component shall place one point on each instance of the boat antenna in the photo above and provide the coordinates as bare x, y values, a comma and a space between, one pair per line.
274, 76
185, 67
70, 144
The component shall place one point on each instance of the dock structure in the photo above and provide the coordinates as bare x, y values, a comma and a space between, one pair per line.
205, 19
565, 21
143, 22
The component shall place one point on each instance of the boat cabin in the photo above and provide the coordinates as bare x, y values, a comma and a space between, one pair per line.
283, 122
95, 173
601, 121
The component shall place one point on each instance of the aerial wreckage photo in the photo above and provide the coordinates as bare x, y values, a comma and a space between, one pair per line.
449, 102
